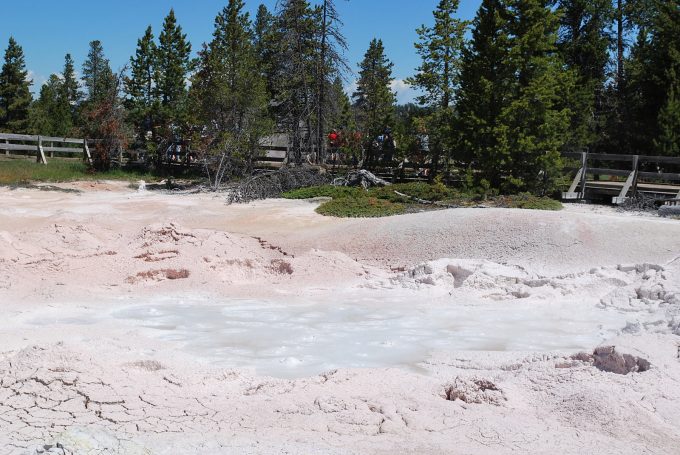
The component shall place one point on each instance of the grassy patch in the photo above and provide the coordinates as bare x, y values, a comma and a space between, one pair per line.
360, 207
324, 191
377, 202
13, 171
419, 190
527, 201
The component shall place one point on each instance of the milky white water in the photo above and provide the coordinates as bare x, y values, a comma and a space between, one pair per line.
295, 339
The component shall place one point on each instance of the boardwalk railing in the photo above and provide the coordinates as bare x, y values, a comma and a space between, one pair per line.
24, 144
634, 168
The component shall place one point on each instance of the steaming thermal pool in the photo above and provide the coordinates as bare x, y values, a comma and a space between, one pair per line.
301, 338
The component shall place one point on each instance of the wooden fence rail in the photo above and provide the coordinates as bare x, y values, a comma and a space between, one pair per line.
26, 144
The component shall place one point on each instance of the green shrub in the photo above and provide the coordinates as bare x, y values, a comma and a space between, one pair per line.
360, 207
324, 191
383, 201
420, 190
528, 201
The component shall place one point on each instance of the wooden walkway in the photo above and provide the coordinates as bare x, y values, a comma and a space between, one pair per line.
655, 176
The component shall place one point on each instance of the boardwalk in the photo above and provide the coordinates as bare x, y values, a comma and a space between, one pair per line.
655, 176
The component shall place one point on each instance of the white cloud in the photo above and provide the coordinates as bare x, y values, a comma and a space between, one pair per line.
37, 80
403, 91
351, 88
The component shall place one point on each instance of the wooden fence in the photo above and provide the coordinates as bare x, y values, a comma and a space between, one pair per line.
44, 146
628, 175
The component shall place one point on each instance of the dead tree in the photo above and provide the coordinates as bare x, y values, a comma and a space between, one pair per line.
361, 178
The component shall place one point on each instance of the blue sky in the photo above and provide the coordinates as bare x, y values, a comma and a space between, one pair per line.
48, 29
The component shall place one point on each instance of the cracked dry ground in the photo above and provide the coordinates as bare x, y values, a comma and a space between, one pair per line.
52, 394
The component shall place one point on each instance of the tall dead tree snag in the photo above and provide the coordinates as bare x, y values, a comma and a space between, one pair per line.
295, 62
331, 65
309, 59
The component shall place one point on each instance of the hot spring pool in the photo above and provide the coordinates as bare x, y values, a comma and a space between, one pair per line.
306, 338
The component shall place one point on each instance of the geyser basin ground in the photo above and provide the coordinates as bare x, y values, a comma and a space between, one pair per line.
102, 353
303, 338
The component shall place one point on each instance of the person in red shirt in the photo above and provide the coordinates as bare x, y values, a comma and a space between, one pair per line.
333, 138
334, 142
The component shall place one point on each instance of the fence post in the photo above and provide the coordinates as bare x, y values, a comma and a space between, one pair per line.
51, 151
7, 149
636, 167
41, 152
86, 152
584, 175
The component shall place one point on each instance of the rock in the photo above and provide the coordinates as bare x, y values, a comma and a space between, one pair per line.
605, 358
474, 391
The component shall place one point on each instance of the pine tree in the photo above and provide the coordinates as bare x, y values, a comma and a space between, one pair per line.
97, 74
102, 113
668, 140
105, 120
584, 46
534, 128
262, 27
265, 43
373, 98
440, 48
15, 95
485, 91
623, 102
340, 114
294, 87
632, 122
227, 90
654, 75
141, 88
50, 114
173, 68
70, 88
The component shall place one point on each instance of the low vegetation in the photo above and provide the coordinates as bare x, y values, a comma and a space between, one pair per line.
360, 207
324, 191
527, 201
16, 171
409, 197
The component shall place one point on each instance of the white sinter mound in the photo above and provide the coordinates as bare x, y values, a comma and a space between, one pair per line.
136, 322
